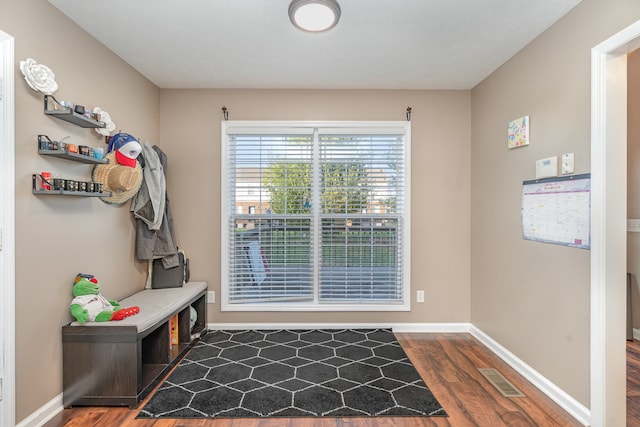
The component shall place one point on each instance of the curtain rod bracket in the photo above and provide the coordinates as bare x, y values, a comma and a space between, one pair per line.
225, 113
408, 114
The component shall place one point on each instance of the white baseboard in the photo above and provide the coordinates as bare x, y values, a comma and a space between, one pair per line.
568, 403
396, 327
43, 414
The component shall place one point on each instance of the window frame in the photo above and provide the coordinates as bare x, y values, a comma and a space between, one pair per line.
314, 305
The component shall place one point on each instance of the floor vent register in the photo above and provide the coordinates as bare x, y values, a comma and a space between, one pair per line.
500, 382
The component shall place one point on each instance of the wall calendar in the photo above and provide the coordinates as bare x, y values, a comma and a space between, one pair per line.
557, 210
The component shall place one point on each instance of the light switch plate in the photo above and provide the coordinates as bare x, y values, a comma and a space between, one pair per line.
546, 168
567, 163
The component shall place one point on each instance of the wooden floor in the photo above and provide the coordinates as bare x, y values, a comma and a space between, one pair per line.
633, 383
448, 364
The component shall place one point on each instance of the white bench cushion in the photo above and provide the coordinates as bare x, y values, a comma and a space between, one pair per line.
155, 305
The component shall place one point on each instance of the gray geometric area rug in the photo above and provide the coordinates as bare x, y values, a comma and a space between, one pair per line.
294, 373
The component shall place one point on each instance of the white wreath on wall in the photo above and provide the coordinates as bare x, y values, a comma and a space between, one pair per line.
106, 119
39, 77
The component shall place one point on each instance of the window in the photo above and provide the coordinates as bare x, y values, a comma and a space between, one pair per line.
327, 219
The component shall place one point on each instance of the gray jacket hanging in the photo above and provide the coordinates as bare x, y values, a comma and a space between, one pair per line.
148, 203
160, 243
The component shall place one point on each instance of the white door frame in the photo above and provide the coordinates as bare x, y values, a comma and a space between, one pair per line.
608, 226
7, 230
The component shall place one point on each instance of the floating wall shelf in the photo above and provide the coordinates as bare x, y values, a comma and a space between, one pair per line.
68, 193
62, 154
53, 108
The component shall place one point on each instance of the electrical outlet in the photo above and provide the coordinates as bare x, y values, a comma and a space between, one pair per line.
420, 296
211, 297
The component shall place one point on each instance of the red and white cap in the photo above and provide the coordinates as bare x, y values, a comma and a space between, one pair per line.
127, 149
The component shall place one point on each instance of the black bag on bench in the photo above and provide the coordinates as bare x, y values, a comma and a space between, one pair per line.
173, 277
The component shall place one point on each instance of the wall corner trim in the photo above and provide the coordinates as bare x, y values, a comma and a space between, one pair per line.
555, 393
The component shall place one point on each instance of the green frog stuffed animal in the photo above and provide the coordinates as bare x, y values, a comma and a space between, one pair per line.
90, 305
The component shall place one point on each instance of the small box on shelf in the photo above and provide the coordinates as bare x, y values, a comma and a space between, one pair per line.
54, 108
66, 187
82, 153
174, 330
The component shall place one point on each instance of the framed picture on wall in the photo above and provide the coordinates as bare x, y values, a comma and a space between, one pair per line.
518, 132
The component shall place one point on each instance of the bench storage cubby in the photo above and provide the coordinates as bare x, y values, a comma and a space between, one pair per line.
118, 363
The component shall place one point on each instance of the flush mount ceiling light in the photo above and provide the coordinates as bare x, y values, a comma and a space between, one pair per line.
314, 15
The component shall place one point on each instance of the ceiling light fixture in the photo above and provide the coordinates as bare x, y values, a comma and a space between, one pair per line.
314, 15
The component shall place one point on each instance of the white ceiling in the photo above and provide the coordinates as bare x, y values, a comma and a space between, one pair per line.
378, 44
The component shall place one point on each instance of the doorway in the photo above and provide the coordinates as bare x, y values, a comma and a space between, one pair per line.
608, 225
7, 229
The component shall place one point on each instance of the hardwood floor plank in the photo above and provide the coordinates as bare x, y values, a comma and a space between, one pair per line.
448, 363
468, 354
633, 368
86, 417
474, 401
633, 412
633, 383
469, 363
518, 419
428, 366
530, 404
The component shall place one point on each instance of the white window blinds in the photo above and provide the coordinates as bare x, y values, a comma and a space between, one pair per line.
270, 245
315, 216
361, 185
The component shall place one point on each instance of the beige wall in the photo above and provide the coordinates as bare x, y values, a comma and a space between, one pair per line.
57, 237
533, 298
633, 178
190, 135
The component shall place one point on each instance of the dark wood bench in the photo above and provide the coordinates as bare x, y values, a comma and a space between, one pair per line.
118, 363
